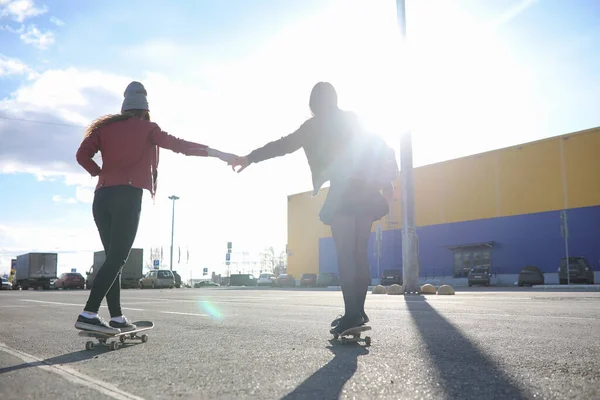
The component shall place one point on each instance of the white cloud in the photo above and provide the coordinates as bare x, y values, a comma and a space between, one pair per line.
73, 243
60, 199
37, 38
12, 66
20, 10
57, 21
30, 34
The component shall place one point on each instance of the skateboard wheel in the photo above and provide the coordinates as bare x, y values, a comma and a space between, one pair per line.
144, 338
344, 340
114, 345
122, 339
89, 345
335, 336
368, 340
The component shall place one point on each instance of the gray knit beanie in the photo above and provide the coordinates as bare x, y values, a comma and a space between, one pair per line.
135, 97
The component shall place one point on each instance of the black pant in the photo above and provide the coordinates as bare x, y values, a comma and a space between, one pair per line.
116, 212
351, 236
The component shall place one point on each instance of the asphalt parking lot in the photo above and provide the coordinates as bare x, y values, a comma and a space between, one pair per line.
221, 343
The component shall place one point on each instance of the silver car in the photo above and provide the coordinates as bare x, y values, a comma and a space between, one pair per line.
6, 285
157, 278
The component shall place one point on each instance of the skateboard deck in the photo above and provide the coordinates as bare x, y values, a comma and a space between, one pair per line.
114, 345
352, 335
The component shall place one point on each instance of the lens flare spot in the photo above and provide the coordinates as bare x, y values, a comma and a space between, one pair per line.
210, 309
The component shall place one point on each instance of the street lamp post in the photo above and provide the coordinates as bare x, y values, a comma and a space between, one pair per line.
410, 267
173, 198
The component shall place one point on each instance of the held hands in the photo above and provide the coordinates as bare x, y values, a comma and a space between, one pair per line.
239, 162
230, 159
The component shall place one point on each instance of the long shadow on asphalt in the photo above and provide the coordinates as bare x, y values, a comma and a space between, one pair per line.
69, 358
328, 381
465, 372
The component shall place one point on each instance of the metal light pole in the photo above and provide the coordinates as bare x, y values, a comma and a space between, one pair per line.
410, 267
173, 198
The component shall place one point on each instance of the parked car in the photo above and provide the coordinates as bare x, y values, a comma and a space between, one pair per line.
391, 277
328, 279
70, 280
6, 285
580, 271
308, 280
530, 276
242, 280
479, 276
266, 279
202, 284
285, 280
177, 279
157, 278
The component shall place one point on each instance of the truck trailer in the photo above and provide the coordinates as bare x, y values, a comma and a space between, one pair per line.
131, 273
35, 270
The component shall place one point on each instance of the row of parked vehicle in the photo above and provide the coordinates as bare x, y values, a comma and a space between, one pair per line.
580, 271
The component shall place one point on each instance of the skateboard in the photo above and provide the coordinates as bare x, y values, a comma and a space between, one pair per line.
352, 335
114, 345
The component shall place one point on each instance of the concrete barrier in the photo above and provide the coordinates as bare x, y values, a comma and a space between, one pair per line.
395, 289
379, 289
428, 289
445, 290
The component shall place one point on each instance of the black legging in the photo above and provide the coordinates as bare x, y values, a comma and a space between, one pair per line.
116, 212
351, 236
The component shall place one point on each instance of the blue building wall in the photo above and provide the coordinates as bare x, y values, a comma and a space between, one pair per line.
531, 239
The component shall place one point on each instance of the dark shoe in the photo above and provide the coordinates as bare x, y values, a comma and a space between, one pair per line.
95, 325
124, 326
339, 317
347, 323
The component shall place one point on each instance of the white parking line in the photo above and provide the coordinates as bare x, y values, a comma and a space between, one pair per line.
184, 313
73, 304
124, 308
72, 375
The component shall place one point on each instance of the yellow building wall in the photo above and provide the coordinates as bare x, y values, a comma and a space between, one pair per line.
582, 156
530, 178
304, 230
546, 175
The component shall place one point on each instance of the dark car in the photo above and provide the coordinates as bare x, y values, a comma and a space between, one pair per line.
530, 276
391, 277
202, 284
70, 280
479, 276
177, 279
580, 271
285, 280
328, 279
242, 280
307, 280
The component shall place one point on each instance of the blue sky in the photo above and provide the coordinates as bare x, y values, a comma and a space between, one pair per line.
473, 76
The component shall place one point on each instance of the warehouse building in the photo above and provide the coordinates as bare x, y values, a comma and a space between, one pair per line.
500, 209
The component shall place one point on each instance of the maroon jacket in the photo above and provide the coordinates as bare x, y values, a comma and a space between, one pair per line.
129, 151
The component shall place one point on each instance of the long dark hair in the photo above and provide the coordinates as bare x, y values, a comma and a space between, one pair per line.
110, 118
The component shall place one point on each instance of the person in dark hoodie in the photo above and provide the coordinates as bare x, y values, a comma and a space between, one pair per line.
361, 170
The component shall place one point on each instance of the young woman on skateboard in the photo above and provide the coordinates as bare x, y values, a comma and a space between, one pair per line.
129, 144
339, 150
